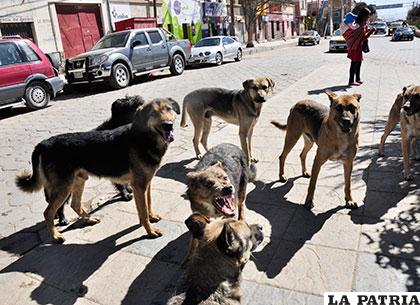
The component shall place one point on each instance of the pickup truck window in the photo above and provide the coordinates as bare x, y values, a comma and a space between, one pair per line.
115, 40
9, 54
141, 37
155, 36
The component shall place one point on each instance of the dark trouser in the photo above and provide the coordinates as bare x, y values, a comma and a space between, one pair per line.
355, 71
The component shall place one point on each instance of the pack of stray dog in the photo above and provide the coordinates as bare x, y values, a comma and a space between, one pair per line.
128, 148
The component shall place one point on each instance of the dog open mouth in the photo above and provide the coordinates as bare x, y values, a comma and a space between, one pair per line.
225, 204
167, 131
260, 99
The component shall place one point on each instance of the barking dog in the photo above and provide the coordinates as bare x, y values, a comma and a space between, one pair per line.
122, 113
239, 107
213, 275
334, 130
128, 154
217, 186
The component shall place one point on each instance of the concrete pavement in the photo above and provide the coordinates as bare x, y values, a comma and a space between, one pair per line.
373, 248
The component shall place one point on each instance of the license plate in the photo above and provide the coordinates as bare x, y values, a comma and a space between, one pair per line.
78, 74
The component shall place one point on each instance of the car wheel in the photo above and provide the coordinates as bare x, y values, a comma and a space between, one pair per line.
219, 58
177, 65
120, 76
37, 95
238, 55
318, 42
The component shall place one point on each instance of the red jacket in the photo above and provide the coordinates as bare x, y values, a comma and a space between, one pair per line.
355, 39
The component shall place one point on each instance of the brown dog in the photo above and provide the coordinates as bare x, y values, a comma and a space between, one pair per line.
395, 116
334, 130
128, 154
239, 107
213, 275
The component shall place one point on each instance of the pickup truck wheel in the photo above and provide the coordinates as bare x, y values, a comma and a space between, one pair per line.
177, 65
37, 95
120, 76
238, 55
219, 58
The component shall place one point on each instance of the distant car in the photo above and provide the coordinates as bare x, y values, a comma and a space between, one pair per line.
309, 37
380, 27
337, 42
403, 33
215, 50
119, 57
393, 26
26, 73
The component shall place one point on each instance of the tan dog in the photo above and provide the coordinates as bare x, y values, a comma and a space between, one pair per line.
334, 130
213, 275
129, 154
239, 107
395, 115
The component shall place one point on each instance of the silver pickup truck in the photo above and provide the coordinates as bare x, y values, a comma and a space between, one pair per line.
120, 56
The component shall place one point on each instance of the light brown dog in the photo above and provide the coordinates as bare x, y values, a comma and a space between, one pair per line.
334, 130
130, 154
239, 107
213, 274
395, 116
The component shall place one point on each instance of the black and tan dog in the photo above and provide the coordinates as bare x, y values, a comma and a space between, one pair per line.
122, 113
213, 275
217, 186
334, 130
404, 111
128, 154
239, 107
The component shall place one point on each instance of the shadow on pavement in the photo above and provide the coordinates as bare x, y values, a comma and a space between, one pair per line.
6, 113
332, 88
175, 170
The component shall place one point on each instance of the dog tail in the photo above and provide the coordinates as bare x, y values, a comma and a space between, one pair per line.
28, 182
184, 114
252, 172
278, 125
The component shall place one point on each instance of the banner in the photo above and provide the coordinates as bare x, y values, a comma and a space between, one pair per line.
215, 9
120, 11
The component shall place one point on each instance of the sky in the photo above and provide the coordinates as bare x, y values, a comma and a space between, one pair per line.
390, 14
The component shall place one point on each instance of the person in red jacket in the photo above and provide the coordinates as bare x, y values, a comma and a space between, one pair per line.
355, 39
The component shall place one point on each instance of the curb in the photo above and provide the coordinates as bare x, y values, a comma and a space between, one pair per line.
262, 48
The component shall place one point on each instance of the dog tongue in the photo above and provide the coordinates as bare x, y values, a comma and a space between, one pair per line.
169, 136
227, 207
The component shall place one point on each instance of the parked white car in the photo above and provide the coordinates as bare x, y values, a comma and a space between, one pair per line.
216, 50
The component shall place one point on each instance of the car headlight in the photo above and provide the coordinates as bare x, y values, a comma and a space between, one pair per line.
97, 60
207, 53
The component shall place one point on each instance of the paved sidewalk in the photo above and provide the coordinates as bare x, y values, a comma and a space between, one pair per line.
271, 45
373, 248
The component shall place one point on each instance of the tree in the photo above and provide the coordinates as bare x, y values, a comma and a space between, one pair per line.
253, 9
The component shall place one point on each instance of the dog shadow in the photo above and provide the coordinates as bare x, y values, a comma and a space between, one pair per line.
67, 266
332, 88
175, 170
266, 260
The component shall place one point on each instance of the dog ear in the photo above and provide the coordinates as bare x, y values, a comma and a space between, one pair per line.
358, 96
228, 242
271, 83
247, 84
331, 95
191, 176
217, 164
174, 105
196, 224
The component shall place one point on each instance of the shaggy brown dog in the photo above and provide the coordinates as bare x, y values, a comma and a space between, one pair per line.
334, 130
129, 154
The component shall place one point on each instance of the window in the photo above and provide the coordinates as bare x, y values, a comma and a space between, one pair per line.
29, 52
228, 40
154, 37
9, 54
141, 37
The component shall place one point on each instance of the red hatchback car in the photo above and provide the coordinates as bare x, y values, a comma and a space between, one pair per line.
26, 73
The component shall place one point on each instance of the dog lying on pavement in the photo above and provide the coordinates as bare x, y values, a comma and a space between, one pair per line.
239, 107
122, 113
334, 130
128, 154
405, 110
213, 275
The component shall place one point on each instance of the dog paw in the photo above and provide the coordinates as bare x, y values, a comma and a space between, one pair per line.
351, 205
154, 232
126, 196
283, 178
58, 238
129, 189
309, 205
199, 157
91, 220
254, 160
306, 175
409, 177
63, 222
154, 218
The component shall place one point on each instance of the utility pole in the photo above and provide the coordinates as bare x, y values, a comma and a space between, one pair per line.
331, 17
154, 10
232, 18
